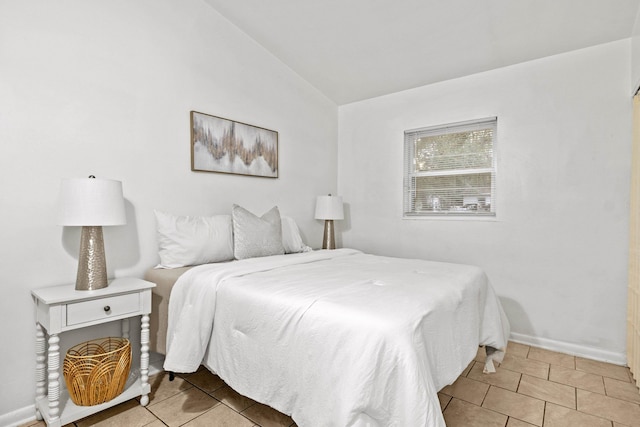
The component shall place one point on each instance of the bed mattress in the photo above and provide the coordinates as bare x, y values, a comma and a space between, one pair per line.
164, 278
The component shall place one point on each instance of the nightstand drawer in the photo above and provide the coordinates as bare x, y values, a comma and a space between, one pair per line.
103, 308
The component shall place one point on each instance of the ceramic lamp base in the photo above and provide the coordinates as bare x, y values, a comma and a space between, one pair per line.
329, 240
92, 266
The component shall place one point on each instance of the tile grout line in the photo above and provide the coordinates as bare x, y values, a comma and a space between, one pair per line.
485, 395
154, 415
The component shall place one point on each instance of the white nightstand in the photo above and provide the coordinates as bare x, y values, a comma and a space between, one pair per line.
62, 308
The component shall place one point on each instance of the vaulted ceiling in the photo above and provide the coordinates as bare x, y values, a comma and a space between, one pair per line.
357, 49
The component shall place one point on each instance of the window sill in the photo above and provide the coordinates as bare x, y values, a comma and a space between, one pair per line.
451, 217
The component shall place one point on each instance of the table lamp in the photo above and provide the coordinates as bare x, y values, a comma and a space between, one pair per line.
329, 208
91, 203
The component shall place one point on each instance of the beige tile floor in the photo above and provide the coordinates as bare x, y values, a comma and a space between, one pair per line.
532, 387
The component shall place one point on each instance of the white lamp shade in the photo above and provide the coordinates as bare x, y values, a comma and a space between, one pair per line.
329, 207
91, 201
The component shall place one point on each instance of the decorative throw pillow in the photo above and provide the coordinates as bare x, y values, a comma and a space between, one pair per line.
291, 239
255, 236
193, 240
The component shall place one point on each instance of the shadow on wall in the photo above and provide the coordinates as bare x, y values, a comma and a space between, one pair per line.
343, 225
520, 322
121, 245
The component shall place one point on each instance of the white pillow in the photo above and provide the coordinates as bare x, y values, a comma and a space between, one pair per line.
193, 240
291, 239
255, 236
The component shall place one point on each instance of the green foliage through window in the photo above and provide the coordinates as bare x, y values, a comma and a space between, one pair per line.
450, 169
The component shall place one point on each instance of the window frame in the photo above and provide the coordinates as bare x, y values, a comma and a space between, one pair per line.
409, 174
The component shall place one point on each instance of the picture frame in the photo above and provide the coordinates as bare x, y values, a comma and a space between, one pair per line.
227, 146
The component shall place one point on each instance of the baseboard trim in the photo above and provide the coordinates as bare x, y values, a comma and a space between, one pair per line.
18, 417
573, 349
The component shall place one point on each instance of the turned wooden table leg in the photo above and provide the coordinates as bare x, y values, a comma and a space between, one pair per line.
41, 367
53, 369
144, 358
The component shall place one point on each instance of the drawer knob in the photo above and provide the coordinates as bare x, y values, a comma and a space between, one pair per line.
107, 309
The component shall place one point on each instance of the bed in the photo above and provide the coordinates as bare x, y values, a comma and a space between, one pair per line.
332, 337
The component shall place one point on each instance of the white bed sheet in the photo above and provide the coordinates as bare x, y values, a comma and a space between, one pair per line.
335, 338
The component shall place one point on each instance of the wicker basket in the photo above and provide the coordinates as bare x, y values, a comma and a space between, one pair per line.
96, 371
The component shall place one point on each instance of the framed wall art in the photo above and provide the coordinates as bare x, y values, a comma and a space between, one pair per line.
226, 146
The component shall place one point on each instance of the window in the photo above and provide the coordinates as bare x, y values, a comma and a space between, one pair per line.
451, 170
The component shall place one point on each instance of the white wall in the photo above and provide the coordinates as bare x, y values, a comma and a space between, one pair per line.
105, 88
557, 251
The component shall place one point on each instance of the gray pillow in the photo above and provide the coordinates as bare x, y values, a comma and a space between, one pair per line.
256, 236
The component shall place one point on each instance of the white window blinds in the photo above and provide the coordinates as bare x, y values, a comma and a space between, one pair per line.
451, 169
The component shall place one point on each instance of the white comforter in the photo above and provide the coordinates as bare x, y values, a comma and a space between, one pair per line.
335, 338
